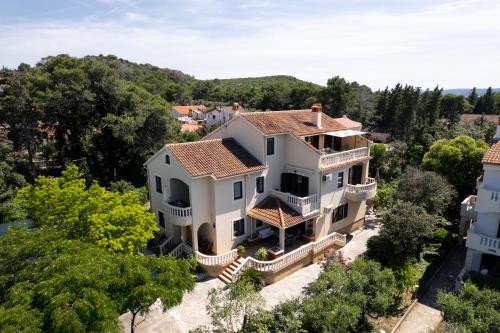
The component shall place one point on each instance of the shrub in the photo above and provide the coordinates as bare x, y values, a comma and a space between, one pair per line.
261, 254
253, 277
407, 276
440, 234
386, 193
240, 248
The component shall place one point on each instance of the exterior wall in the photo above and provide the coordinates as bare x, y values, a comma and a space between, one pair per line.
220, 117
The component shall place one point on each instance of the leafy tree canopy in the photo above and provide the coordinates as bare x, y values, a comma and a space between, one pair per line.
112, 220
51, 284
426, 189
458, 160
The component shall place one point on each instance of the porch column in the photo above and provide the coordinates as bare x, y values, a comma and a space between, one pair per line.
183, 234
194, 238
282, 238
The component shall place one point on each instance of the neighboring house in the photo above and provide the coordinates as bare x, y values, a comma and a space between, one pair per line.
295, 182
222, 114
186, 113
481, 216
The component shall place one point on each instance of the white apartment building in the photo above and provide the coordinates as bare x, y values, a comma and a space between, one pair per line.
480, 216
295, 182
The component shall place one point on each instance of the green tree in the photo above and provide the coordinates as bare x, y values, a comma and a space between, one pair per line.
426, 189
72, 286
404, 229
341, 298
231, 307
472, 97
283, 318
114, 221
338, 97
10, 181
452, 106
458, 160
472, 309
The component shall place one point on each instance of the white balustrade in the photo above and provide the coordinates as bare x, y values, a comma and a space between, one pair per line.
467, 207
169, 242
482, 242
302, 205
239, 270
370, 185
178, 211
344, 156
221, 259
177, 251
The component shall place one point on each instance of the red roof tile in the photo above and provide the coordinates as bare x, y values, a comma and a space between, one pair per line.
219, 157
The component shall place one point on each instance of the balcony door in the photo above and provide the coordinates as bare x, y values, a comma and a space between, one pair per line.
355, 174
295, 184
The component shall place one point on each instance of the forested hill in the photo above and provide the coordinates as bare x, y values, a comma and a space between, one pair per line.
466, 92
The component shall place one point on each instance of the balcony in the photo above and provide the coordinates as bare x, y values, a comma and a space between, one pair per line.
302, 205
329, 160
361, 192
179, 214
486, 244
468, 207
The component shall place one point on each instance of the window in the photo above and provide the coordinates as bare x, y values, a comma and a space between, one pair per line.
270, 146
158, 184
161, 219
238, 190
213, 117
340, 180
258, 223
238, 227
167, 159
340, 213
260, 184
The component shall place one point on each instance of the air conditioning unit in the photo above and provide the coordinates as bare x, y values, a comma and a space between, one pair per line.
328, 209
327, 177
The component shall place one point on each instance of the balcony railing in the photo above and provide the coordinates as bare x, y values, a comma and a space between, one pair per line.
181, 216
362, 192
468, 207
302, 205
343, 157
481, 242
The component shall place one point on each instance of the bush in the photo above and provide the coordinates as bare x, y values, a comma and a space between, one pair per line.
472, 307
253, 277
407, 276
440, 234
261, 254
240, 248
386, 194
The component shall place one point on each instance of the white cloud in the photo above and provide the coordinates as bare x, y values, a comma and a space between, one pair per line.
453, 44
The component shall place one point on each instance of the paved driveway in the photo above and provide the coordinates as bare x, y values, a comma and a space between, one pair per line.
191, 312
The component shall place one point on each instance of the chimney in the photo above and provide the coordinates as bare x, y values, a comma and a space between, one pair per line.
236, 109
497, 134
316, 115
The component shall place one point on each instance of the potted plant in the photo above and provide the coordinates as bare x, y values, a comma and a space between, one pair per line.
240, 248
261, 254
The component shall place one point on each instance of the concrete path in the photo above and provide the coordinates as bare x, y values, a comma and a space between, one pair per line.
425, 315
421, 319
191, 313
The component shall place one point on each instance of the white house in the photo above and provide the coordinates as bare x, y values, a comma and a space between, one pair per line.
482, 212
295, 182
221, 114
188, 113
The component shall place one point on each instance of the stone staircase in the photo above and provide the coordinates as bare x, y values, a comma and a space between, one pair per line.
227, 275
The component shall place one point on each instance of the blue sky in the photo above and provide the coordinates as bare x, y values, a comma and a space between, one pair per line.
453, 43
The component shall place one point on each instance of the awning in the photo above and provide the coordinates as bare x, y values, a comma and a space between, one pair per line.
344, 133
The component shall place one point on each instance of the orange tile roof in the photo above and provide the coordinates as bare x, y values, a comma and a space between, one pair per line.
297, 122
492, 156
219, 157
190, 127
186, 109
348, 123
273, 211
